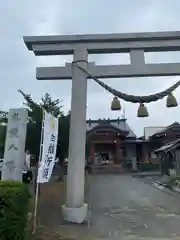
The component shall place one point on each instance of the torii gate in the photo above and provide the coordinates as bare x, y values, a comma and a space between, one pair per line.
75, 210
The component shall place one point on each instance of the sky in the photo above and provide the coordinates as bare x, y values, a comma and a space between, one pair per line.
43, 17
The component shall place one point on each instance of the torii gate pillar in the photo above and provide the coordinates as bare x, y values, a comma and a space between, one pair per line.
75, 210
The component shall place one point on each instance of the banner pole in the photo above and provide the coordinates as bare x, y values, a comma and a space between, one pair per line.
35, 209
38, 184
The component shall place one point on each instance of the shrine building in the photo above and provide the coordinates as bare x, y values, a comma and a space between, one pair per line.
111, 141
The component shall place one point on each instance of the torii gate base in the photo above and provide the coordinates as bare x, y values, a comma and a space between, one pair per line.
75, 210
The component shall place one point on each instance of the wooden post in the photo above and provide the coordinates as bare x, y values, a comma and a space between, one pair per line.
92, 153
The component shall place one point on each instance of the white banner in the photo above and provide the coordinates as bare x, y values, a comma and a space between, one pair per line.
48, 155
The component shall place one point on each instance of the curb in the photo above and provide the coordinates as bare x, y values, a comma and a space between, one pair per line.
146, 174
171, 191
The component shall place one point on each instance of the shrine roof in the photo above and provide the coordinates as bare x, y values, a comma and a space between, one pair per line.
169, 146
120, 124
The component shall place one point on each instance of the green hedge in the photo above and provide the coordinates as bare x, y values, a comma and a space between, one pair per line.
14, 206
148, 166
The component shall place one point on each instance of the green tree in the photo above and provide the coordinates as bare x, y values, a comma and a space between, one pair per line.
35, 123
3, 121
63, 137
35, 115
2, 139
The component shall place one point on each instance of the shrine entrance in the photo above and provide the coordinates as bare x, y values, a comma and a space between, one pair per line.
136, 44
104, 154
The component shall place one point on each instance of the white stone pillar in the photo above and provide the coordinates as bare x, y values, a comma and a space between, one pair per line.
14, 155
75, 210
134, 163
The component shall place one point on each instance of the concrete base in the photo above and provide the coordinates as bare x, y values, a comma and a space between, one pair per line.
75, 215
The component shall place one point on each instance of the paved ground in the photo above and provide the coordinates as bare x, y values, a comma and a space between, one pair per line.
152, 179
128, 208
149, 179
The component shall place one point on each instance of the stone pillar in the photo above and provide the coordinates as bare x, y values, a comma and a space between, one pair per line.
131, 155
14, 155
134, 164
75, 210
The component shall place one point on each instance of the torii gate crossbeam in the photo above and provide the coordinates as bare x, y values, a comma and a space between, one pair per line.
136, 44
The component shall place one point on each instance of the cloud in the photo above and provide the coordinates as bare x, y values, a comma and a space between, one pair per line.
21, 18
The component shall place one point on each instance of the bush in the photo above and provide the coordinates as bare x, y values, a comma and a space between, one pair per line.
148, 166
14, 206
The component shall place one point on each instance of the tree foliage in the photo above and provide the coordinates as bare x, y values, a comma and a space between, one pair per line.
35, 115
3, 121
63, 136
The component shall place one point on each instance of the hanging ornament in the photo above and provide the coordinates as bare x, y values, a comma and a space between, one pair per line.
115, 105
142, 111
171, 101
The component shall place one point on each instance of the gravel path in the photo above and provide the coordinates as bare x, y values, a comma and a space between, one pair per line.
123, 207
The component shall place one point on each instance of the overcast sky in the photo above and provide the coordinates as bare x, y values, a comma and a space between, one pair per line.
17, 64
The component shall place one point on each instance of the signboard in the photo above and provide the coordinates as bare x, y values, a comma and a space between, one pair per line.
15, 145
149, 131
50, 135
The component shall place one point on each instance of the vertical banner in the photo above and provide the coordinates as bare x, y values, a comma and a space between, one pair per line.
14, 154
49, 145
